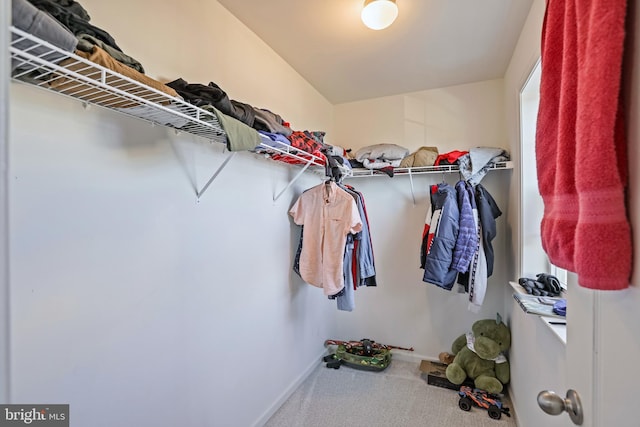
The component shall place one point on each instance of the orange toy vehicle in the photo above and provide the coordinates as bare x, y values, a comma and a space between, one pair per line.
482, 399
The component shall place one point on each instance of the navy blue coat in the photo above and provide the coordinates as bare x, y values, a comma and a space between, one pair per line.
444, 226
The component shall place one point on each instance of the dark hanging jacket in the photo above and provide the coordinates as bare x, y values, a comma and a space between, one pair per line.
488, 211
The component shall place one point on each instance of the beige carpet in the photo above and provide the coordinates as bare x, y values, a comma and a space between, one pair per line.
396, 397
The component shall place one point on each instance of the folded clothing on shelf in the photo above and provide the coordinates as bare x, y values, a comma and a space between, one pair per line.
379, 156
75, 86
28, 18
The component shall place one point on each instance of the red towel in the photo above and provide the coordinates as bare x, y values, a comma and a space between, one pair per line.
580, 142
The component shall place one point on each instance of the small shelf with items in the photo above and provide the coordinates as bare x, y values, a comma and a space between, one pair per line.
529, 306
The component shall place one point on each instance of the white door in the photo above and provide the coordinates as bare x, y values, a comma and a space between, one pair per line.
617, 352
580, 350
603, 349
615, 322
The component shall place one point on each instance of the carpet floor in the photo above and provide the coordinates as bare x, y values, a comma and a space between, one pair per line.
396, 397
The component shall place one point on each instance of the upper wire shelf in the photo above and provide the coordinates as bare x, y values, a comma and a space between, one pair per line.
71, 75
39, 63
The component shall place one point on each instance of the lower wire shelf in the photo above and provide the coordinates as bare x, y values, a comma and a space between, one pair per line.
421, 170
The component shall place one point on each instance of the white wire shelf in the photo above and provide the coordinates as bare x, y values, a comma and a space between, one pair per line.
421, 170
303, 157
361, 173
94, 84
74, 76
39, 63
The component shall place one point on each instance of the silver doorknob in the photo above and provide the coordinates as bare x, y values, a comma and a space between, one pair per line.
553, 404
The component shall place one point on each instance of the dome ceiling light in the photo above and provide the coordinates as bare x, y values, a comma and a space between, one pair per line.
379, 14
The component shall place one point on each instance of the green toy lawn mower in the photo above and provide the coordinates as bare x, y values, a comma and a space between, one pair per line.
364, 354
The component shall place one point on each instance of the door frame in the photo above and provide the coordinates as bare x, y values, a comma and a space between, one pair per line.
5, 371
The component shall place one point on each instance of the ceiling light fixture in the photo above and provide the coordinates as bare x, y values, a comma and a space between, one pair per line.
379, 14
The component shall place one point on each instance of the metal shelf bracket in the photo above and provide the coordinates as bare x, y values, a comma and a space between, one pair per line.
413, 194
295, 178
215, 174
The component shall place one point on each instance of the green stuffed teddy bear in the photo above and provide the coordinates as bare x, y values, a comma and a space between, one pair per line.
478, 355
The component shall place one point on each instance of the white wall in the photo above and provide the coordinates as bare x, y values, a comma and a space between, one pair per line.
451, 118
465, 116
200, 41
130, 300
534, 344
525, 56
532, 258
403, 310
537, 359
375, 121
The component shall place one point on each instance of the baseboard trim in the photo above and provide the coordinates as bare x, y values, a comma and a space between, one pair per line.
262, 420
514, 410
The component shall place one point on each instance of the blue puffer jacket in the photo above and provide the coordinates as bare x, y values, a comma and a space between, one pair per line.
442, 236
467, 242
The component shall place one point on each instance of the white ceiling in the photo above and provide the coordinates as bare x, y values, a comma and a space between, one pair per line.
433, 43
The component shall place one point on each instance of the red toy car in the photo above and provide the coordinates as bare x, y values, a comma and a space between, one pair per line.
482, 399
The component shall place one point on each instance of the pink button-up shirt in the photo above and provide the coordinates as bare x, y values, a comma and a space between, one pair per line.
328, 214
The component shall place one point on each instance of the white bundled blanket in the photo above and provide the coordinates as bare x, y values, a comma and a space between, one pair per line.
379, 156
